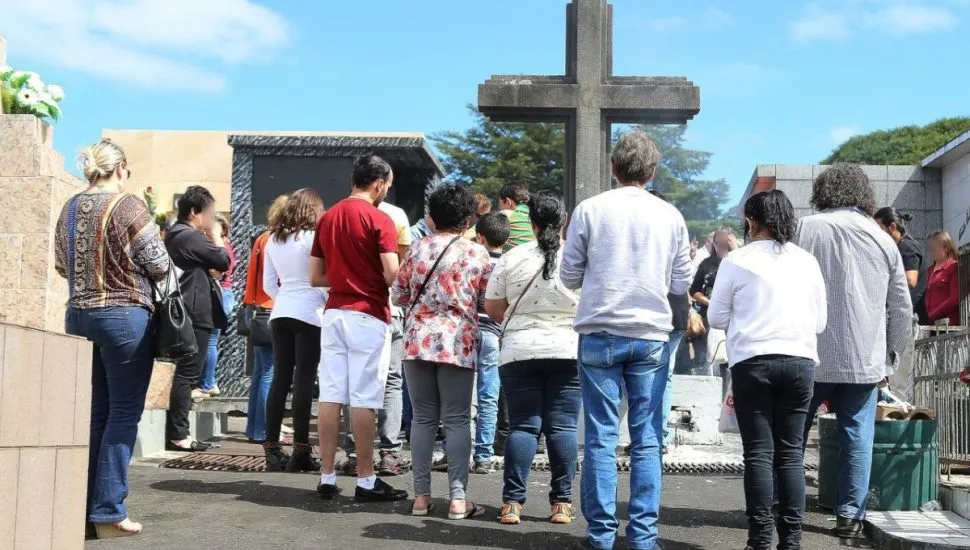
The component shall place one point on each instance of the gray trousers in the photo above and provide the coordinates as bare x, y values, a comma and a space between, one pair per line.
440, 393
390, 418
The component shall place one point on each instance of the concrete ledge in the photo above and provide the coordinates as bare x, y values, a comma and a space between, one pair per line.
917, 530
955, 498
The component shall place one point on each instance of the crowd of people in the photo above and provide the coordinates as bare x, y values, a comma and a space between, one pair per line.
472, 323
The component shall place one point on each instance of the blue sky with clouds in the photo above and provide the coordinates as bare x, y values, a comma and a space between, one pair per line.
781, 82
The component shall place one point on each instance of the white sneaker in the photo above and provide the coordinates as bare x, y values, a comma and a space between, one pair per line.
286, 430
198, 395
214, 392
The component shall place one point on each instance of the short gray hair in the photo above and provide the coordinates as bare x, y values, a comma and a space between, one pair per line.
635, 157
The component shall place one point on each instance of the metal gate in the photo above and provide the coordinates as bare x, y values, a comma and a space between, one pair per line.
937, 363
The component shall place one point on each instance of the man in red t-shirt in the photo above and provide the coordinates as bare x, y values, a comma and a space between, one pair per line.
355, 254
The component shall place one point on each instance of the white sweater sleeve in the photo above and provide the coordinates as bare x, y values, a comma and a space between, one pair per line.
574, 257
271, 279
722, 297
821, 300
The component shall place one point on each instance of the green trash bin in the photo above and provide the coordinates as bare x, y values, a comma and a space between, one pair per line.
905, 464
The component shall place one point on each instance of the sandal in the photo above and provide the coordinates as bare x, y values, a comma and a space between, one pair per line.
475, 511
423, 511
511, 514
124, 528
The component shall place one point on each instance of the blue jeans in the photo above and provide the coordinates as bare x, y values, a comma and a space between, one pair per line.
208, 380
543, 397
488, 388
854, 406
607, 365
672, 345
262, 379
120, 373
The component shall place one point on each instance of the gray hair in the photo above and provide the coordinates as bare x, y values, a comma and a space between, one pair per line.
844, 185
635, 157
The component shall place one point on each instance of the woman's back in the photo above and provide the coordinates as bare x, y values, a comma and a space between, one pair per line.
118, 252
286, 278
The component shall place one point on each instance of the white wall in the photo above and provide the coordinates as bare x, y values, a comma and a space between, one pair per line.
956, 199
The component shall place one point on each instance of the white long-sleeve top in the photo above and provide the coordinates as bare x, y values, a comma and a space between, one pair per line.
771, 300
286, 279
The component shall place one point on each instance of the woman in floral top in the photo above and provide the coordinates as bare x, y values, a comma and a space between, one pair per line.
441, 342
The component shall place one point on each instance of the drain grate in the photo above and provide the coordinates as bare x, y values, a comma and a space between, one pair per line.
217, 463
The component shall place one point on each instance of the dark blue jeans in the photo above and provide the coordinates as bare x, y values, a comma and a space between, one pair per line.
543, 397
771, 398
608, 365
262, 379
120, 373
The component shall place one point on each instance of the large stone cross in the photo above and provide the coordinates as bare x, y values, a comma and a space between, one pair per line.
588, 98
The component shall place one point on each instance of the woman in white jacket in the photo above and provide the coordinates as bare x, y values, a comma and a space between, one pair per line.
770, 298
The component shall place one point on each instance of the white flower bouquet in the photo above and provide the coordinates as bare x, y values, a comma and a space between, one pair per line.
24, 93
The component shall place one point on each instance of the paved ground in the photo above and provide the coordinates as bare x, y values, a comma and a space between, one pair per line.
233, 511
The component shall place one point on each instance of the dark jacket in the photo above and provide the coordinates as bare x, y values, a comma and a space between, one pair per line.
679, 308
195, 255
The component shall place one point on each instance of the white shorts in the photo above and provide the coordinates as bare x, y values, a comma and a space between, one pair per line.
355, 355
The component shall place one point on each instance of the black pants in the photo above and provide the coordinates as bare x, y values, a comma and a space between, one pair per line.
771, 399
296, 349
187, 374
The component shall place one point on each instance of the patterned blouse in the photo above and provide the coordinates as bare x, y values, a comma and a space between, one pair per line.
443, 326
118, 253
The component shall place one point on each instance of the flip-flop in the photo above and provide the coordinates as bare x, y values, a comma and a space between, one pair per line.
424, 511
474, 512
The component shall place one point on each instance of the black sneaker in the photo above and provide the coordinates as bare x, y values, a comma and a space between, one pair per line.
846, 528
302, 461
328, 492
391, 464
382, 492
276, 460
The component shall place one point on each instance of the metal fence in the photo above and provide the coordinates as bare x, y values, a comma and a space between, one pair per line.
939, 357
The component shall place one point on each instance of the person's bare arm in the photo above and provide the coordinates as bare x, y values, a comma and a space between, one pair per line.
318, 273
912, 278
701, 299
390, 263
402, 249
496, 309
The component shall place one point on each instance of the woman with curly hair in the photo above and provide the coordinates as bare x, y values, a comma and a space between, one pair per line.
295, 328
538, 360
770, 297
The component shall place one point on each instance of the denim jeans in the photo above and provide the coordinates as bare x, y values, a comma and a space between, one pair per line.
488, 386
543, 397
262, 379
771, 398
208, 380
120, 373
390, 417
672, 346
854, 406
609, 364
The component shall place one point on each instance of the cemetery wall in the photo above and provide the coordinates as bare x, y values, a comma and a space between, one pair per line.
956, 194
911, 189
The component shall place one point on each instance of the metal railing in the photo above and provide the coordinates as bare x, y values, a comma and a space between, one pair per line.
940, 355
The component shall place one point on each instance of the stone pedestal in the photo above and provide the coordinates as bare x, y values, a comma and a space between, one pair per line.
33, 188
45, 417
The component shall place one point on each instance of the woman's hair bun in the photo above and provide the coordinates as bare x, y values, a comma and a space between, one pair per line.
99, 160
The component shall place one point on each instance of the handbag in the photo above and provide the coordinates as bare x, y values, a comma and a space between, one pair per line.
515, 306
174, 338
260, 330
424, 285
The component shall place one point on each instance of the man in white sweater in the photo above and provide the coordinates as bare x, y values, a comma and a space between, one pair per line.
627, 250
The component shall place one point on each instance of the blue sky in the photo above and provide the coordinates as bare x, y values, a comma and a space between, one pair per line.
781, 82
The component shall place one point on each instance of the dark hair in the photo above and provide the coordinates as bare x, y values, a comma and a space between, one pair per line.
844, 185
515, 192
494, 226
889, 215
773, 211
300, 213
368, 169
224, 222
195, 199
450, 206
547, 211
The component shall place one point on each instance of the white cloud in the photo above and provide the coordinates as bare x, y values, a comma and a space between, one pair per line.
716, 18
712, 18
889, 17
161, 45
818, 24
841, 134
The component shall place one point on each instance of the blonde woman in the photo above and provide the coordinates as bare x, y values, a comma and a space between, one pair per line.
109, 249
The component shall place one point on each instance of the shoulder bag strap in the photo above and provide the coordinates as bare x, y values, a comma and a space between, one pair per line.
508, 316
427, 278
71, 238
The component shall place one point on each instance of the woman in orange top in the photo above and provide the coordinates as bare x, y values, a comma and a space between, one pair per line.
263, 365
942, 286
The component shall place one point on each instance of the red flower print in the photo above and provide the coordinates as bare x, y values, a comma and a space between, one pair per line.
426, 343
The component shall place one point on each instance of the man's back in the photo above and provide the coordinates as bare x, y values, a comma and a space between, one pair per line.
350, 238
627, 250
866, 288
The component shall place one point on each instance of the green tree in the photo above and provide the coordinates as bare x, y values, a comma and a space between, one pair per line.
489, 155
904, 145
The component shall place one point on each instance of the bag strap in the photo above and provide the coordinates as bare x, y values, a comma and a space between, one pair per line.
71, 238
427, 278
508, 317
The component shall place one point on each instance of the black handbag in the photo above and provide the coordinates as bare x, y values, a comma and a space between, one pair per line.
174, 340
244, 320
259, 329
